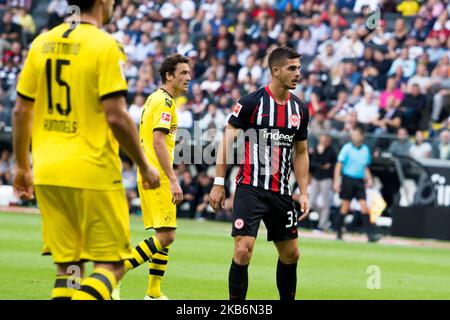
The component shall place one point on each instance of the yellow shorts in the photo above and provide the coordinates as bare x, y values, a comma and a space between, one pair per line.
81, 224
158, 211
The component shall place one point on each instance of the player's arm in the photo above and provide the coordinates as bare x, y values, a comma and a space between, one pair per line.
125, 132
162, 153
301, 161
301, 171
22, 121
217, 196
22, 128
111, 86
239, 119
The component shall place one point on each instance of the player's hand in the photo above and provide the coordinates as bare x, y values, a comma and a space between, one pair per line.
177, 192
304, 207
217, 198
150, 177
369, 183
337, 187
23, 184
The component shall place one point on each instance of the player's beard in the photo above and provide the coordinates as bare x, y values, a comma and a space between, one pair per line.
290, 84
183, 89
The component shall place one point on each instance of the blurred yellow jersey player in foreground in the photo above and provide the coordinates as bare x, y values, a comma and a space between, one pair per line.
157, 132
71, 102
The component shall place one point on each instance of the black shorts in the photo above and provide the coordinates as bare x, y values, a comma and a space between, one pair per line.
352, 188
251, 204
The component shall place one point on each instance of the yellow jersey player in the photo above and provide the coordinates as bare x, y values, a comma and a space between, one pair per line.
157, 132
71, 103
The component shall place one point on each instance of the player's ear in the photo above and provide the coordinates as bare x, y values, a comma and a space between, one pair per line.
274, 70
169, 76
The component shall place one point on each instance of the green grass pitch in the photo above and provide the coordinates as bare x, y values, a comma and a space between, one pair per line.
201, 255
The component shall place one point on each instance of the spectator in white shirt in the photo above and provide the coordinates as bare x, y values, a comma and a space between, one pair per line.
367, 109
251, 71
242, 52
169, 10
215, 116
421, 148
359, 4
307, 45
131, 71
210, 8
351, 46
319, 30
335, 41
185, 117
187, 8
136, 108
184, 46
408, 65
144, 48
128, 46
211, 84
328, 58
421, 78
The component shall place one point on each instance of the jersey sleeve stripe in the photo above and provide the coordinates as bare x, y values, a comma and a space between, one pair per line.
25, 96
165, 130
114, 94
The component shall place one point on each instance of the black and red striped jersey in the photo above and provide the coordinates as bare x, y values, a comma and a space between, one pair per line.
270, 131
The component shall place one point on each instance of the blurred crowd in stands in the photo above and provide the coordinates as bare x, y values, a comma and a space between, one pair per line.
380, 64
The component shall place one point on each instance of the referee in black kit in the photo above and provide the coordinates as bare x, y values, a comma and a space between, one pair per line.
275, 125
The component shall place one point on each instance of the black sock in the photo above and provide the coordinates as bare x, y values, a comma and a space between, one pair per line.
339, 222
367, 225
238, 281
287, 280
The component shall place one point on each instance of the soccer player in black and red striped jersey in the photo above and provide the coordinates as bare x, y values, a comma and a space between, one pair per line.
275, 125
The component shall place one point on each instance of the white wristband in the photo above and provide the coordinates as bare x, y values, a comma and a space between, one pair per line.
220, 181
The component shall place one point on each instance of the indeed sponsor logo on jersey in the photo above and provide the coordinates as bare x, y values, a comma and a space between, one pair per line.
277, 136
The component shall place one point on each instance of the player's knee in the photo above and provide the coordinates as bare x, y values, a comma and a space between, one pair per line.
166, 239
70, 269
116, 268
290, 257
295, 256
345, 207
243, 253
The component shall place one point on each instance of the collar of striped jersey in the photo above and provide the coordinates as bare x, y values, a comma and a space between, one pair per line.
271, 94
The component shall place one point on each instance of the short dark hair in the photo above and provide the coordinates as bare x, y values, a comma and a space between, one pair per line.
169, 65
282, 53
360, 129
84, 5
